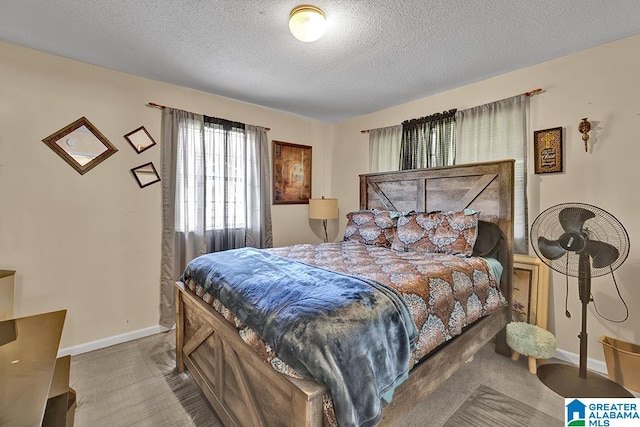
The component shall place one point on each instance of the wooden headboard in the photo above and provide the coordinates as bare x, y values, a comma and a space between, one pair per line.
486, 187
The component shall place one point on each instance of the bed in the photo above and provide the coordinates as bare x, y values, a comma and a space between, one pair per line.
246, 391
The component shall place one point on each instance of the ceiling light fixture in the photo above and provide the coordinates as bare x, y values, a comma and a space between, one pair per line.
307, 23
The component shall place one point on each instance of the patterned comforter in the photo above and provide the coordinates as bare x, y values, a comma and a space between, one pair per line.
444, 293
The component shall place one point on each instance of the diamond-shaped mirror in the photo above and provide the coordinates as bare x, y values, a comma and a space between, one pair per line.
140, 139
81, 145
145, 174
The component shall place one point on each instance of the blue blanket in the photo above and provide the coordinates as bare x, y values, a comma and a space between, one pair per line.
353, 335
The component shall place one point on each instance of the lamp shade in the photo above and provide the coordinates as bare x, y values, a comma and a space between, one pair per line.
323, 208
307, 23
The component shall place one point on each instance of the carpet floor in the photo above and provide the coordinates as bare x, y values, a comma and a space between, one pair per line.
136, 384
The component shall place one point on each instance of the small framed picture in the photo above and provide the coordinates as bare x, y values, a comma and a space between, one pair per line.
547, 145
530, 290
146, 174
140, 139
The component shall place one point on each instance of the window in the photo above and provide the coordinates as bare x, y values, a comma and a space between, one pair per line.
218, 165
493, 131
429, 141
226, 178
497, 131
215, 192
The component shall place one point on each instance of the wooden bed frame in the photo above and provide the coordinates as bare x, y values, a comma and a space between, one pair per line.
245, 391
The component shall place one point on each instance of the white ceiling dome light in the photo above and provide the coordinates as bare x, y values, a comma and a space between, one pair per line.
307, 23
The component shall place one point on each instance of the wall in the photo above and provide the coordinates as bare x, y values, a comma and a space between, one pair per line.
601, 84
91, 243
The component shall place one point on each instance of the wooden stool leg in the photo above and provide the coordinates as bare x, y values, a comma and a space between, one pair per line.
532, 365
515, 355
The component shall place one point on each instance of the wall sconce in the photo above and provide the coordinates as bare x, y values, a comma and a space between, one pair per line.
584, 127
323, 209
307, 23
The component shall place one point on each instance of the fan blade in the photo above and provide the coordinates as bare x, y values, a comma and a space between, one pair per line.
572, 219
603, 254
550, 249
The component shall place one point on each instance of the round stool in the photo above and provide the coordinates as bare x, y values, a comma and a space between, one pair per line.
532, 341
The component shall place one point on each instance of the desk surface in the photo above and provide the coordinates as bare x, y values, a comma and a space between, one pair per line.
28, 351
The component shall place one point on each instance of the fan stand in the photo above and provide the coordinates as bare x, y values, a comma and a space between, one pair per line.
569, 381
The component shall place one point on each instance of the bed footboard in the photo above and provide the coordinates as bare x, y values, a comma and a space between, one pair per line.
245, 391
241, 387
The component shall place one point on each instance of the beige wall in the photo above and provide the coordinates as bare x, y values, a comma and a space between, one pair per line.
601, 84
91, 243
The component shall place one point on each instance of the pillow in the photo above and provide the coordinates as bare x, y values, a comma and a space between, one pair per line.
489, 239
371, 227
452, 233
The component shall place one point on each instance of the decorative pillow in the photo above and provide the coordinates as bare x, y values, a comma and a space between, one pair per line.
452, 233
371, 227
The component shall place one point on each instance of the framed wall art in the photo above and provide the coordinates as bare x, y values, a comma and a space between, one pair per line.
530, 290
291, 173
145, 174
81, 145
548, 150
140, 139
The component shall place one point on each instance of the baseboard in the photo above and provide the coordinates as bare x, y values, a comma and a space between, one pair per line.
566, 356
109, 341
574, 359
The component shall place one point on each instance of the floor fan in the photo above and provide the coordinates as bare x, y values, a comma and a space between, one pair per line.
582, 241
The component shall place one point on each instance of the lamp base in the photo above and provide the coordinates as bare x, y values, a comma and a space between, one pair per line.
326, 236
566, 381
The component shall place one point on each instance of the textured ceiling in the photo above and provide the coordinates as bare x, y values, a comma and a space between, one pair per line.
374, 54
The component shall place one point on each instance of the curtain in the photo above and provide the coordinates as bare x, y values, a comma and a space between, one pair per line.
428, 141
384, 148
215, 193
258, 184
497, 131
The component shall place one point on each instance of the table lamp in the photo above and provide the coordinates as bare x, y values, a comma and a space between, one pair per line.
324, 209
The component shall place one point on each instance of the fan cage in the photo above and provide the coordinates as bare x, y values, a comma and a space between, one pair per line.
604, 227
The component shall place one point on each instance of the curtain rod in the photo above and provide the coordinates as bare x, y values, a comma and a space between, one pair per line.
530, 93
162, 107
